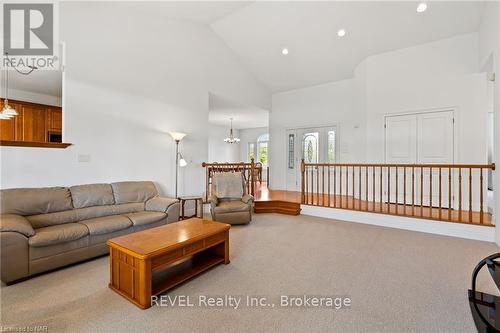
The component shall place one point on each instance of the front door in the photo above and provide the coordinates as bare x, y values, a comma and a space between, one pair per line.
314, 145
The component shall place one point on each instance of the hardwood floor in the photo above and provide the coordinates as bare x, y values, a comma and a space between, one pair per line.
283, 202
288, 202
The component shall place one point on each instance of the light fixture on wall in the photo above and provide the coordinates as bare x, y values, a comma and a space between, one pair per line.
7, 111
231, 138
179, 159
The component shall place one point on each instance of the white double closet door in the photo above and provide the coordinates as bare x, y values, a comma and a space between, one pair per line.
419, 138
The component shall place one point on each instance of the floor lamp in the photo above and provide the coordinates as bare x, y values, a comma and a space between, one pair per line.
179, 160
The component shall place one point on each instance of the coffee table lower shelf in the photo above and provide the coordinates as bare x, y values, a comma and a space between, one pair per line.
167, 278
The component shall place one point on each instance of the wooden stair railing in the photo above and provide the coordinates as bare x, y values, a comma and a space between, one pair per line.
248, 170
445, 192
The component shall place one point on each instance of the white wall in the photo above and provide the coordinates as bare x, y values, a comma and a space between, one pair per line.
436, 75
218, 150
489, 52
28, 96
130, 78
248, 135
328, 104
440, 74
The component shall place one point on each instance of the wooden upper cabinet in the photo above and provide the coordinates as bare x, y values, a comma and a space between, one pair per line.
34, 123
54, 119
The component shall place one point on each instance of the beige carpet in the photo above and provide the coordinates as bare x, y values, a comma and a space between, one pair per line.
398, 281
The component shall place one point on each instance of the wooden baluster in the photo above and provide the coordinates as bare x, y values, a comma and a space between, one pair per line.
397, 185
413, 191
440, 195
373, 186
317, 186
421, 191
312, 185
353, 186
470, 195
359, 190
460, 194
404, 190
430, 192
366, 188
323, 185
481, 217
381, 189
347, 186
340, 185
328, 186
335, 186
388, 190
302, 180
449, 194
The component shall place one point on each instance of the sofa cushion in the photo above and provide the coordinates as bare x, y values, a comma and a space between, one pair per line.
231, 206
92, 195
31, 201
37, 252
80, 214
58, 234
143, 218
107, 224
125, 192
228, 185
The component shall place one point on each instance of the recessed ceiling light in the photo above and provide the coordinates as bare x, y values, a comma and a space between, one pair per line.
284, 51
341, 33
422, 7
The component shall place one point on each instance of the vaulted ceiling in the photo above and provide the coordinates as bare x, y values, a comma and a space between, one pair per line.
244, 116
258, 32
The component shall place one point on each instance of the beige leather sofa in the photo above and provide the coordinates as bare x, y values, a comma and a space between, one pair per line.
45, 228
229, 202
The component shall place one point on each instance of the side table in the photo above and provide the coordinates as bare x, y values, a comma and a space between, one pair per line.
198, 201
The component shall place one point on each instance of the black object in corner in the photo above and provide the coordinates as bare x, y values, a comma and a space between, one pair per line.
485, 308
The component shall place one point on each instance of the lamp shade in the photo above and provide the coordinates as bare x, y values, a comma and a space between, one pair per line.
182, 163
177, 136
9, 111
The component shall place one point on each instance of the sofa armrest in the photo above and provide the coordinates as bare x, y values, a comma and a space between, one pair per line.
248, 199
160, 204
16, 223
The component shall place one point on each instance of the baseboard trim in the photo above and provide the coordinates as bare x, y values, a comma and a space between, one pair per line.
460, 230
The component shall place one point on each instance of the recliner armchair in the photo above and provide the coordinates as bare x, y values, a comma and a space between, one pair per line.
229, 202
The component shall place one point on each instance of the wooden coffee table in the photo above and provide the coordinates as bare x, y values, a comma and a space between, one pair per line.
151, 261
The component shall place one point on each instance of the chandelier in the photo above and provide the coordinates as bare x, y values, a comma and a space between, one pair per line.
231, 138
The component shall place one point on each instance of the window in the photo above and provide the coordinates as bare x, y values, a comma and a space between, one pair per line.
331, 147
251, 151
263, 152
291, 151
262, 149
310, 147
